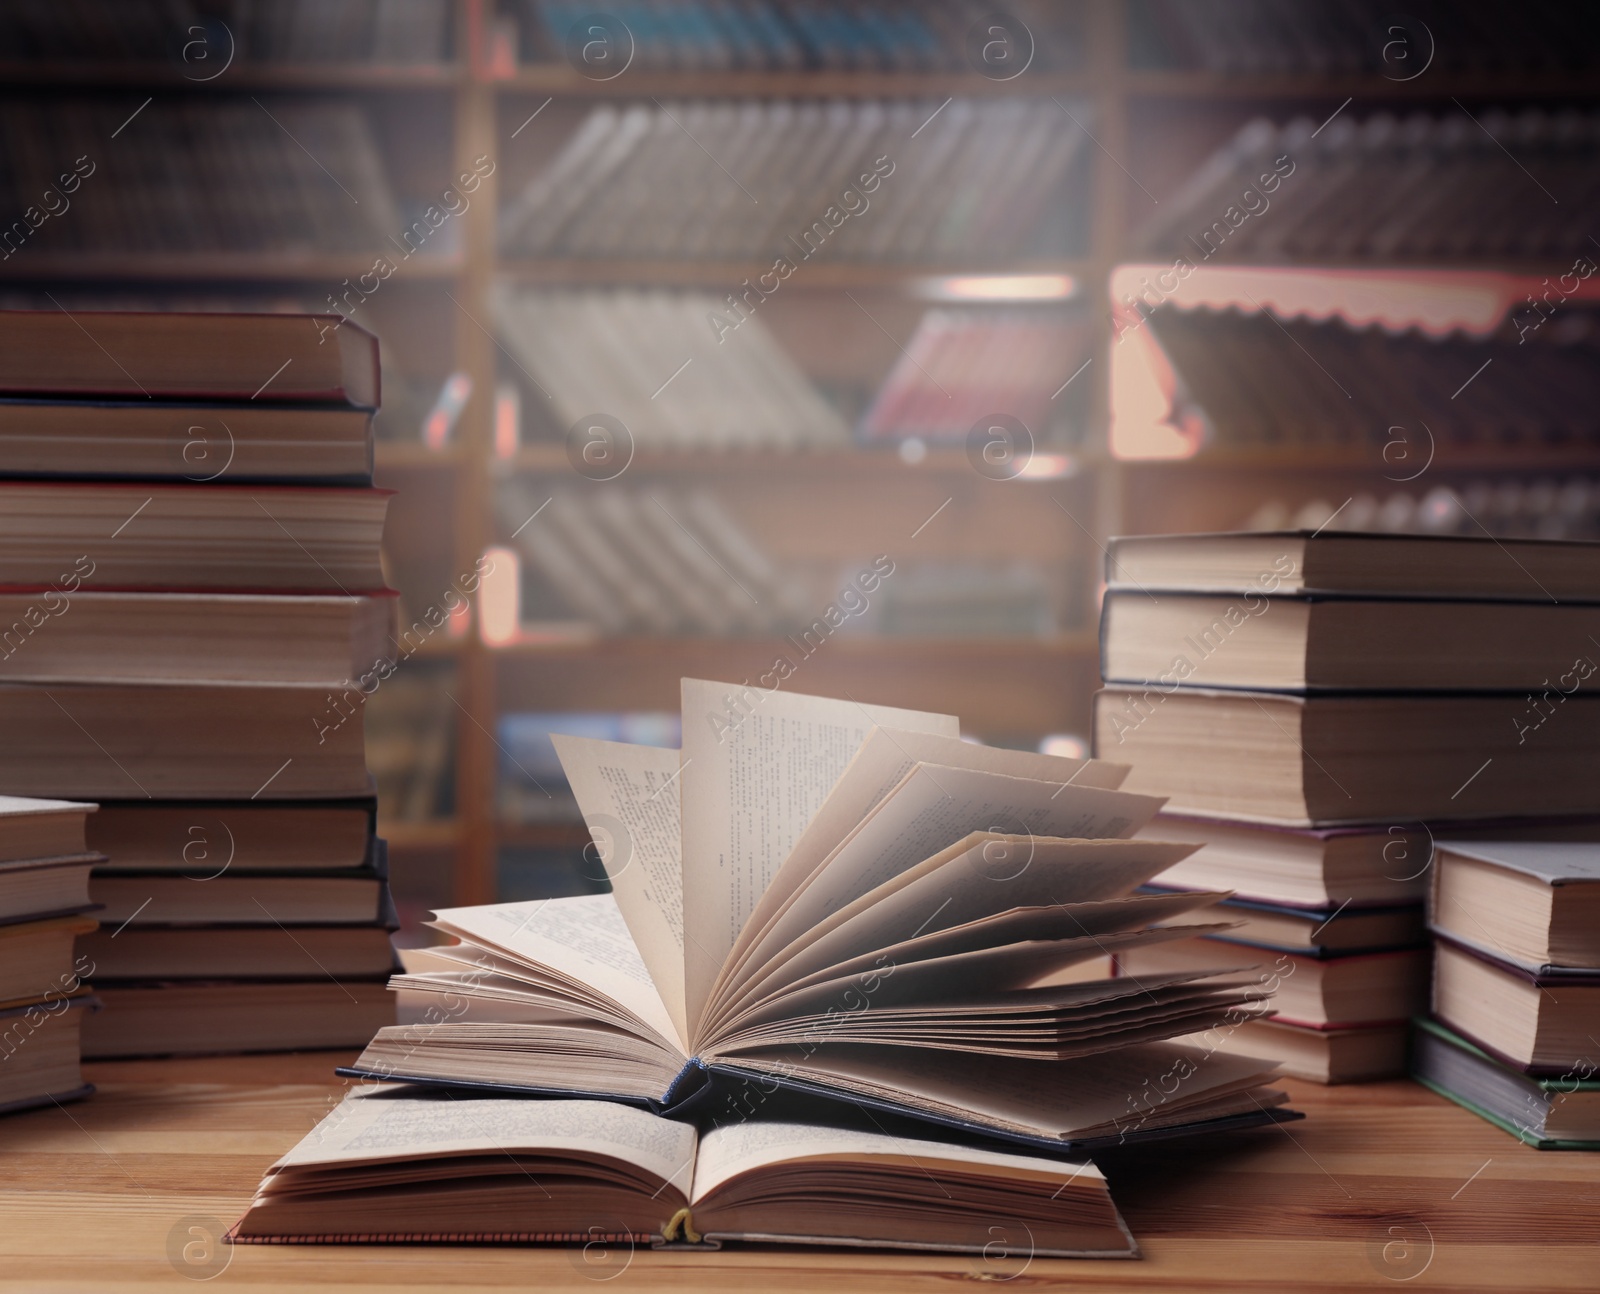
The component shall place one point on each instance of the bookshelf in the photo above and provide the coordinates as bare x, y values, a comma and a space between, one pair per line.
1152, 126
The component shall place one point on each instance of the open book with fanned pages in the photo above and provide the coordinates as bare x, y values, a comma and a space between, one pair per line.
821, 898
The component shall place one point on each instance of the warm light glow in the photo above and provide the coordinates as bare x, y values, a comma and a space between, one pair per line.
1065, 745
999, 287
1142, 386
507, 421
440, 424
500, 596
1049, 467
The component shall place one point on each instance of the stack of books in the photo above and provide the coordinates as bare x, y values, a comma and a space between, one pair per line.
195, 612
1318, 704
44, 994
820, 911
1516, 988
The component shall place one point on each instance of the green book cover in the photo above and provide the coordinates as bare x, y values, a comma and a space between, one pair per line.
1547, 1085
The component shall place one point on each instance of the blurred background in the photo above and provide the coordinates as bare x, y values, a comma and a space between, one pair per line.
823, 344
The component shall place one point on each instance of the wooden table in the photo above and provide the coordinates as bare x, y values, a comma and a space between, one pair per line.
1381, 1186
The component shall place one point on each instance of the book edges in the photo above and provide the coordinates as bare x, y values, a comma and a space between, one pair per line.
707, 1243
47, 1098
81, 997
1327, 536
690, 1091
1539, 974
1325, 1027
1488, 1116
374, 867
60, 920
1319, 953
1548, 1079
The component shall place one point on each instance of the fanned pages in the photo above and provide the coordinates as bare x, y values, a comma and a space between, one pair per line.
882, 914
756, 767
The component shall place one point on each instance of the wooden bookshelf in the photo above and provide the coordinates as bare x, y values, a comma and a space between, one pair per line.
561, 80
210, 267
1150, 129
339, 78
819, 276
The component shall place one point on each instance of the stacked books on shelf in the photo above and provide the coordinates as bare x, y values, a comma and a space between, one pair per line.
1253, 380
1332, 37
780, 184
381, 32
1312, 703
204, 35
410, 730
1406, 190
45, 909
533, 784
820, 910
965, 365
1565, 507
256, 177
791, 35
1516, 988
196, 610
678, 370
625, 560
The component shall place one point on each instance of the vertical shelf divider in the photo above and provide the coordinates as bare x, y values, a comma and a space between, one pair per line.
474, 876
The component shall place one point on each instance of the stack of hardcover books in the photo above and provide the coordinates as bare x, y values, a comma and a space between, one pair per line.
44, 899
1318, 706
833, 940
1516, 988
193, 612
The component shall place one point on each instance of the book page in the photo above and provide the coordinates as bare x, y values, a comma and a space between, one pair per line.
888, 946
629, 799
953, 976
756, 767
882, 762
1066, 1098
583, 938
731, 1149
933, 808
971, 880
385, 1124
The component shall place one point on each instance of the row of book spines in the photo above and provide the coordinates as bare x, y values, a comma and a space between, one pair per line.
399, 32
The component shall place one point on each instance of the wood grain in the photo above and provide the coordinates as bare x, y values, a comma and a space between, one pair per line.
1381, 1186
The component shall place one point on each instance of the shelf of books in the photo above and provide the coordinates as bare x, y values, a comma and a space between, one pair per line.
715, 333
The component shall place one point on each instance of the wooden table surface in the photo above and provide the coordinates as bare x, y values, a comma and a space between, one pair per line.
1382, 1185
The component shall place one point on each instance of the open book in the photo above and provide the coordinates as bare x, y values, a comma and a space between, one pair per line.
848, 901
407, 1165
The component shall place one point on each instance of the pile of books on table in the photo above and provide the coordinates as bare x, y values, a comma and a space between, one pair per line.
189, 552
1516, 988
44, 907
1317, 705
833, 945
